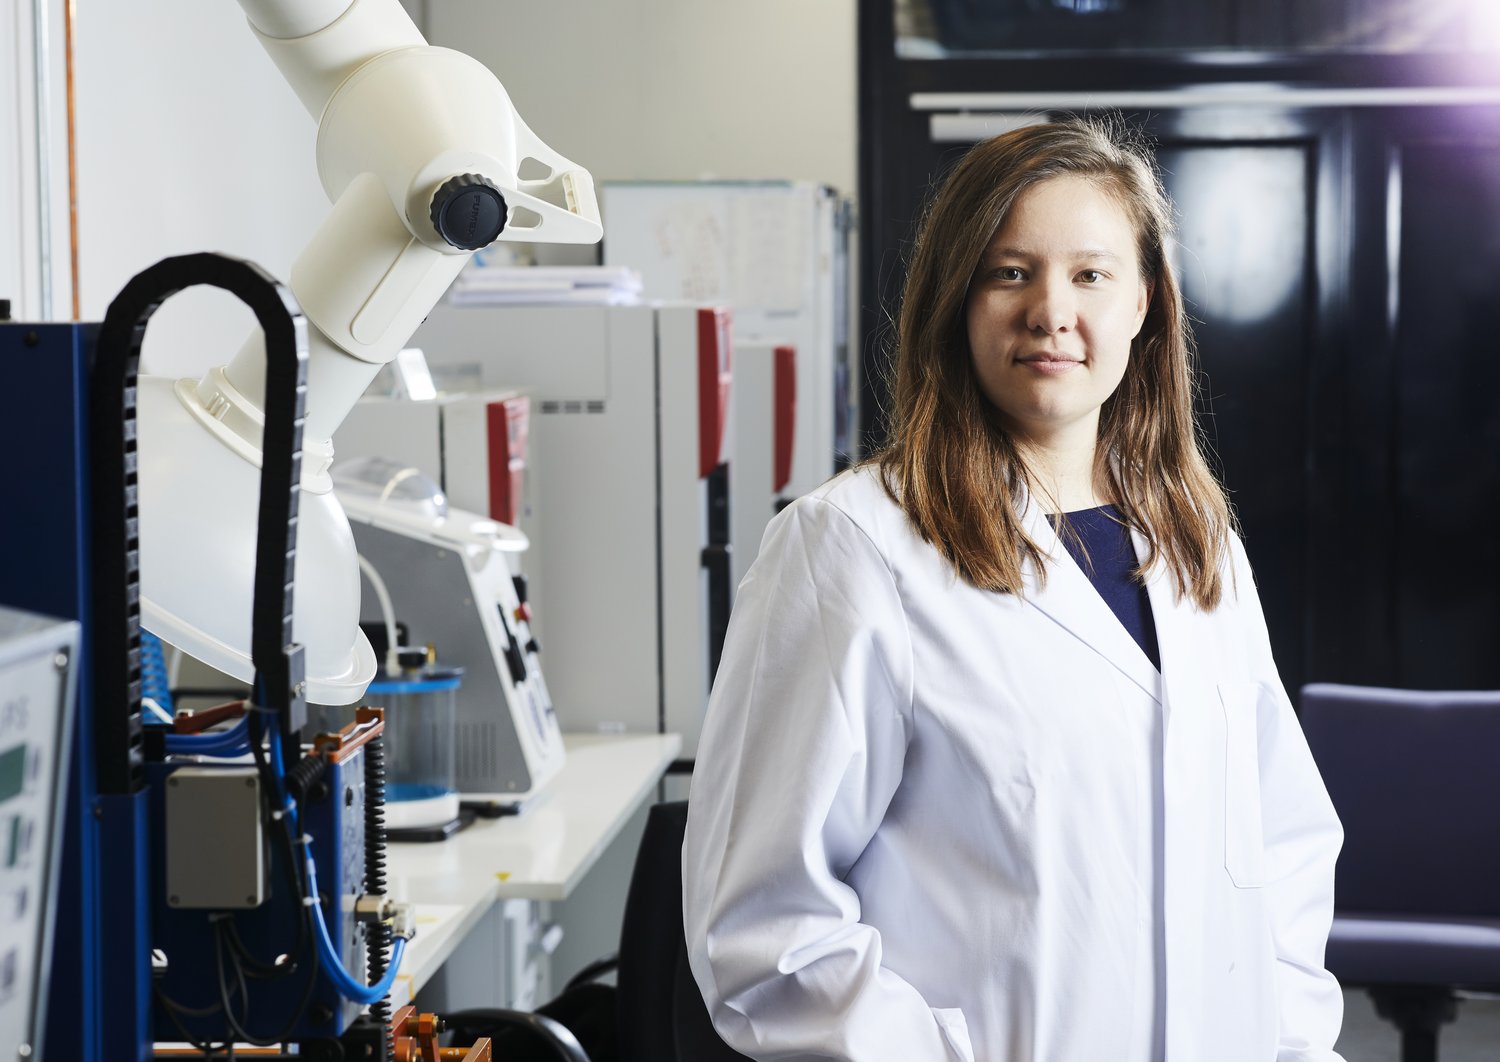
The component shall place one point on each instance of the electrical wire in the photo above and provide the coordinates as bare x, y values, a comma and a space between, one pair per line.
225, 992
232, 742
293, 866
225, 934
173, 1008
348, 986
259, 969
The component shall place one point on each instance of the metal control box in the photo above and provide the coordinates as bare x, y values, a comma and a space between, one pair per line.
216, 852
37, 685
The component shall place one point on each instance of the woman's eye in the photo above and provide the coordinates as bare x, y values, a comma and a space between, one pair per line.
1091, 276
1009, 273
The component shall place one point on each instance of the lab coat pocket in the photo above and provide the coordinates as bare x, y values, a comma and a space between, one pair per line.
1244, 839
955, 1031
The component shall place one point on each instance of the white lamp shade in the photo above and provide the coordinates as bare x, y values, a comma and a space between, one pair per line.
199, 502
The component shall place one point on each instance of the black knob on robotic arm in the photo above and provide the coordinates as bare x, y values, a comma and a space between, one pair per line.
468, 211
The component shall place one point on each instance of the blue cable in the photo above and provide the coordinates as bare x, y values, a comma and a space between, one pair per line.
154, 676
348, 986
342, 979
232, 742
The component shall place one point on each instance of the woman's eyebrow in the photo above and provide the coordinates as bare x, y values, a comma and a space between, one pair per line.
1091, 254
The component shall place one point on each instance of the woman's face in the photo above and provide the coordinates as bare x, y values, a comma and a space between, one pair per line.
1052, 309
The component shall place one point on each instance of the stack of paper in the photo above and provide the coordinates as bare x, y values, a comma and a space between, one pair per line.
517, 285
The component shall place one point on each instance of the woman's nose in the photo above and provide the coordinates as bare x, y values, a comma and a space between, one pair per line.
1053, 307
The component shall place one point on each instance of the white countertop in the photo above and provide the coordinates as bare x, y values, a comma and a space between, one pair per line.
540, 854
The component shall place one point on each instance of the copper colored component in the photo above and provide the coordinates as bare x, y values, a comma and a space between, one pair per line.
197, 722
427, 1034
416, 1040
70, 18
368, 724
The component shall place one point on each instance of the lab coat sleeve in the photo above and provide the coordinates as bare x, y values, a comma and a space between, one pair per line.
1302, 841
801, 752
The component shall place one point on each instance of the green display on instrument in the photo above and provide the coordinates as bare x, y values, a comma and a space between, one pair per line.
12, 772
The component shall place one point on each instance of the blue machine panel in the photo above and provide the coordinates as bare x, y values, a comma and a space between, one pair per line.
45, 542
194, 963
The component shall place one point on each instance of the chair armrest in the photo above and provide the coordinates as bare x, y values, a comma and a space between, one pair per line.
487, 1021
593, 971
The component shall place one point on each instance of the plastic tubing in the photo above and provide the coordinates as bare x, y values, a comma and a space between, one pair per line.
333, 963
345, 982
231, 742
387, 614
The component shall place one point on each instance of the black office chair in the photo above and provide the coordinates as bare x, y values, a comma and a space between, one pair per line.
656, 1013
662, 1016
1415, 778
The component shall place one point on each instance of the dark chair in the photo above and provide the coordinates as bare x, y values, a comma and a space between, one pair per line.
662, 1016
656, 1013
1415, 778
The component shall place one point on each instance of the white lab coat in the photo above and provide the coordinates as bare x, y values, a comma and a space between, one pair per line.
930, 822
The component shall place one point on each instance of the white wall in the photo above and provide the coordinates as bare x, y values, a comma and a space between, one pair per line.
21, 204
674, 89
188, 140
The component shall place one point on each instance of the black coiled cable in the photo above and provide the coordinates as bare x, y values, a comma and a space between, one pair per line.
378, 935
304, 777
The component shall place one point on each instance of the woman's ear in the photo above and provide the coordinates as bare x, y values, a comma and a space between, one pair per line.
1142, 305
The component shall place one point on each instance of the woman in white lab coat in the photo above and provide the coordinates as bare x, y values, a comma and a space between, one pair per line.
952, 803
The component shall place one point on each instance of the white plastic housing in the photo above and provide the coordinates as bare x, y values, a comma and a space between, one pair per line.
316, 46
199, 502
417, 116
397, 118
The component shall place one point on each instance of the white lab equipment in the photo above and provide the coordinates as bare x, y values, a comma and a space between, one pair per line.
38, 688
777, 253
454, 579
629, 521
421, 152
474, 445
763, 425
420, 791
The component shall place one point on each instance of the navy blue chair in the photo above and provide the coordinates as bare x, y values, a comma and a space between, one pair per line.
1415, 777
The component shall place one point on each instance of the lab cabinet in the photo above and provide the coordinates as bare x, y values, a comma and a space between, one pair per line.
628, 480
774, 252
763, 424
504, 961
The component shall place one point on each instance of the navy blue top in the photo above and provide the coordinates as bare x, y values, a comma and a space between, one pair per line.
1109, 564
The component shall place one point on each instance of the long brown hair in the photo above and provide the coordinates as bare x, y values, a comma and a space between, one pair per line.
952, 466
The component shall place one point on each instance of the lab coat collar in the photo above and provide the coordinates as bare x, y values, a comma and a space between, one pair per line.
1069, 599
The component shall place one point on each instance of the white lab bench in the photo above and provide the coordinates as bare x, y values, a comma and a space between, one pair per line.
484, 896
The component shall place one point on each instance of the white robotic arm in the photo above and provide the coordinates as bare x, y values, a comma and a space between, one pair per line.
422, 153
